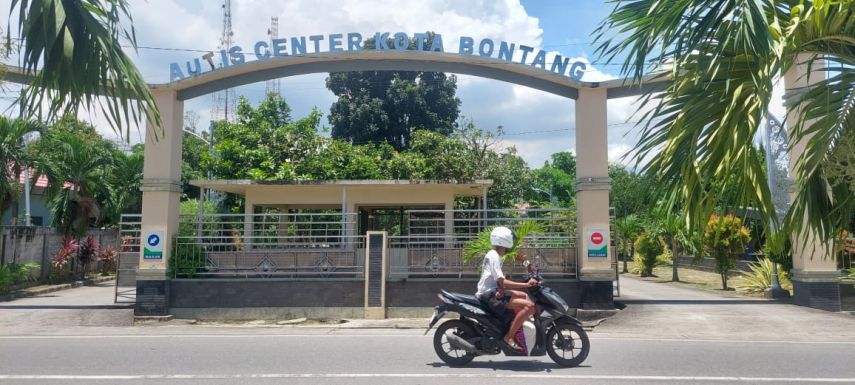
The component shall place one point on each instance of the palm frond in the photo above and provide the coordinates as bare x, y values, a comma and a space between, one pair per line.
698, 134
77, 44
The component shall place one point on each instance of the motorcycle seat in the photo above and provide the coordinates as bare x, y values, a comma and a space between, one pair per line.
465, 298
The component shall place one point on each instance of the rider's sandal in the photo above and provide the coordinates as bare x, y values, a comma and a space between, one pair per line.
513, 345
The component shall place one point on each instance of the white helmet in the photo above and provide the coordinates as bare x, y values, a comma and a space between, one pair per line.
502, 236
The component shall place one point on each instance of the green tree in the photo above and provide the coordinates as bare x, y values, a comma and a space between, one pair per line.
388, 106
723, 59
557, 178
125, 180
672, 229
86, 167
15, 157
631, 193
649, 247
724, 240
73, 52
628, 228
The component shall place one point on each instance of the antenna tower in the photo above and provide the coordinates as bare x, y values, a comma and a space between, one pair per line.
224, 101
273, 32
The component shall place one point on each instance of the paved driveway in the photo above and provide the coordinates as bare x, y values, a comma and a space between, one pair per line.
87, 306
672, 310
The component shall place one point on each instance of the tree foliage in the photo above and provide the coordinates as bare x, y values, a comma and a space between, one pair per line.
389, 106
724, 240
73, 52
723, 58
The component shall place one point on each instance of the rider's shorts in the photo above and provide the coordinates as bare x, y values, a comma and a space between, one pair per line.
497, 305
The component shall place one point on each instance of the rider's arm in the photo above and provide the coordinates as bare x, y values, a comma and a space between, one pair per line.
508, 284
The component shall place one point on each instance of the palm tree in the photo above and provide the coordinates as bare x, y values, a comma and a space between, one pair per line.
628, 228
77, 44
672, 228
723, 58
14, 157
86, 168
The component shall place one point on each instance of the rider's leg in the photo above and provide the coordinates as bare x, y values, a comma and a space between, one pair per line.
524, 309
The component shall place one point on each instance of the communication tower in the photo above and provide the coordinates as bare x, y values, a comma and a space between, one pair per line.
224, 101
273, 85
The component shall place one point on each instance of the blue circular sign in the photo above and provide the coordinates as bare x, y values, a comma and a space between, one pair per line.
153, 240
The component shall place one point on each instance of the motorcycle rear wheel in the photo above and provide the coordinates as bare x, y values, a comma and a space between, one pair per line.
575, 344
446, 352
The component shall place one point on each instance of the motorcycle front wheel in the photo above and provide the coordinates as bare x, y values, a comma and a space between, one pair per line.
443, 347
567, 344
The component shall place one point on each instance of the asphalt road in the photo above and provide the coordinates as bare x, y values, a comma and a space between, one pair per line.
327, 356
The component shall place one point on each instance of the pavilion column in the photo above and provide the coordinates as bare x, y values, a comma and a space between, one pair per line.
594, 257
449, 223
248, 222
161, 192
815, 282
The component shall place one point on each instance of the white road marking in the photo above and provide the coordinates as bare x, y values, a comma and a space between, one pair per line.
419, 335
422, 375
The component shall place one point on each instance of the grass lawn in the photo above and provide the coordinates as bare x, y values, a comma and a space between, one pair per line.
698, 279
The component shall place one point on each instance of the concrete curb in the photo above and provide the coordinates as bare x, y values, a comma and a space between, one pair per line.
389, 323
44, 289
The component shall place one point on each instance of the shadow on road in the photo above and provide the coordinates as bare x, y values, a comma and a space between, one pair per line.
513, 365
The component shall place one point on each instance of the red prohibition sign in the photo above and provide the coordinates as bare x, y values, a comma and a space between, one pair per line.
597, 238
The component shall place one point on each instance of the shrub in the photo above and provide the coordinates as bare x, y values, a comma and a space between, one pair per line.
760, 277
15, 273
186, 260
107, 260
61, 262
724, 239
87, 252
647, 249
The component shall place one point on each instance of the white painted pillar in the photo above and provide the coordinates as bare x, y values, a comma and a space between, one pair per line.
592, 197
449, 223
161, 192
248, 222
161, 185
815, 282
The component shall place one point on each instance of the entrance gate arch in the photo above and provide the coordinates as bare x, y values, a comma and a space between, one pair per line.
162, 169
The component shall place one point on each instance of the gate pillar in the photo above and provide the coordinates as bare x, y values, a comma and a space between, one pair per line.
161, 190
594, 256
375, 275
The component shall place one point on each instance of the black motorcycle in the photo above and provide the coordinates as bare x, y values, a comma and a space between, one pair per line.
479, 332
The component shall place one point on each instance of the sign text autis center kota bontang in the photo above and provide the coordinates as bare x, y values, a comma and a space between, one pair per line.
339, 42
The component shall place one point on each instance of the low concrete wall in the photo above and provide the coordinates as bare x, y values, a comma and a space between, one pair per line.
23, 244
847, 295
242, 299
707, 264
265, 293
422, 292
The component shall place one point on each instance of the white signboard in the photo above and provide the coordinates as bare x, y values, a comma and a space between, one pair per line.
153, 245
597, 242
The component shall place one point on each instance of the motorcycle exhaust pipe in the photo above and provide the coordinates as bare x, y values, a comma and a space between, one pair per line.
459, 343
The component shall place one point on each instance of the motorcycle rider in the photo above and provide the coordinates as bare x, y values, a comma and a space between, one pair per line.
496, 291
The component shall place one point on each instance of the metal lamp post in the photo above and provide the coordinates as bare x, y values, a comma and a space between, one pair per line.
776, 291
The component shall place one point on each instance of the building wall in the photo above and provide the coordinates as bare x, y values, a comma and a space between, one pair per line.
38, 208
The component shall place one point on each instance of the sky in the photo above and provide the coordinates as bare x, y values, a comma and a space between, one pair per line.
536, 123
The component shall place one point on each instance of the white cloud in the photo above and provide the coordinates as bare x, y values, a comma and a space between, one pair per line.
196, 25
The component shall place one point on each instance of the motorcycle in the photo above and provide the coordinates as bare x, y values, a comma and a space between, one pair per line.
479, 332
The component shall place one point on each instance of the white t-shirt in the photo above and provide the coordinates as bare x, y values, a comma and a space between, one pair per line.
491, 271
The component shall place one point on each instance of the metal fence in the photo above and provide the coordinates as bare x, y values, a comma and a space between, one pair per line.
129, 258
327, 244
435, 245
268, 245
